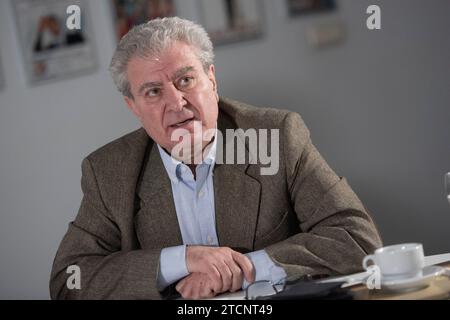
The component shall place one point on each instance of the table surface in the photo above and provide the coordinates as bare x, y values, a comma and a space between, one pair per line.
439, 288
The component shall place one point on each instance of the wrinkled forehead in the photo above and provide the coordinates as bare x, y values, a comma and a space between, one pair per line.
166, 62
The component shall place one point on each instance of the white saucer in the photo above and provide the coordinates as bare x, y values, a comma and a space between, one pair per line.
415, 283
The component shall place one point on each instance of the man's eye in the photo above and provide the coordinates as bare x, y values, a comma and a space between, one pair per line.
153, 92
185, 81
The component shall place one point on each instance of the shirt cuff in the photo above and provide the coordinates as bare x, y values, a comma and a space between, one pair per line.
265, 268
172, 266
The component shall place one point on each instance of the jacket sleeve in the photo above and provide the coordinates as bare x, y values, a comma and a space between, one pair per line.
93, 243
336, 230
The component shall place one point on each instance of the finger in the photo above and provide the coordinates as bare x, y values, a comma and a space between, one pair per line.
207, 292
206, 288
236, 276
226, 275
184, 293
216, 285
190, 289
246, 266
179, 287
215, 276
201, 287
195, 290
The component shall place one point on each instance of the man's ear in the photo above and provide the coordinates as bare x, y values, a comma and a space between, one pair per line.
212, 78
132, 106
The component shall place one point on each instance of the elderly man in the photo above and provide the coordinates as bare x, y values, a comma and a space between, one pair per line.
151, 221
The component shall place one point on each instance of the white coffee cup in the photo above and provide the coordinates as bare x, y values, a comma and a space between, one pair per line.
398, 261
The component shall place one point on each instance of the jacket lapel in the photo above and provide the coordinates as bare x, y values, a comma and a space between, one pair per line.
156, 221
237, 197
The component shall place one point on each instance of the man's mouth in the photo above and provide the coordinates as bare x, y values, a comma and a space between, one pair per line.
182, 123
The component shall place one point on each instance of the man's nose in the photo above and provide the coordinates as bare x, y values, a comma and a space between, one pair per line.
175, 99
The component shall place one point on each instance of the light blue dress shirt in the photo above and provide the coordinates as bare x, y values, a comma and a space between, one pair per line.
194, 204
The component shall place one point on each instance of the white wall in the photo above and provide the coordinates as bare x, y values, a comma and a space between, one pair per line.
377, 107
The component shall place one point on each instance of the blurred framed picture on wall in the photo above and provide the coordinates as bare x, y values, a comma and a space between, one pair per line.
50, 50
297, 7
128, 13
231, 20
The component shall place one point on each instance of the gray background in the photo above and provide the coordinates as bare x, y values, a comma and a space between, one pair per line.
377, 106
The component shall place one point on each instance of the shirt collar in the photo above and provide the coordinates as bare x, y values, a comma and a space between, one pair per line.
171, 164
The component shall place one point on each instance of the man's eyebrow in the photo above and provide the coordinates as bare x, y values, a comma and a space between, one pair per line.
182, 71
176, 75
149, 85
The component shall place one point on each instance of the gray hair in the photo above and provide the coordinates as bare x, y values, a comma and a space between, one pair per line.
152, 38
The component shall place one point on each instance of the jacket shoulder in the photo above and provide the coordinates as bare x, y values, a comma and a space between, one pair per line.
118, 149
248, 116
116, 167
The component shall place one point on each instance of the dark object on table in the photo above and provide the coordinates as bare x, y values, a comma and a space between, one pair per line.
303, 290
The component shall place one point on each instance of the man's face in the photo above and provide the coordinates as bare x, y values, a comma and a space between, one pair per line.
172, 91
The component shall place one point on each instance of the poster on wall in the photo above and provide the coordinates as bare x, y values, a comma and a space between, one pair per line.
297, 7
128, 13
231, 20
50, 50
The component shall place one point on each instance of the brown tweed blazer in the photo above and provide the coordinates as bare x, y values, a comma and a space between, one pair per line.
307, 218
